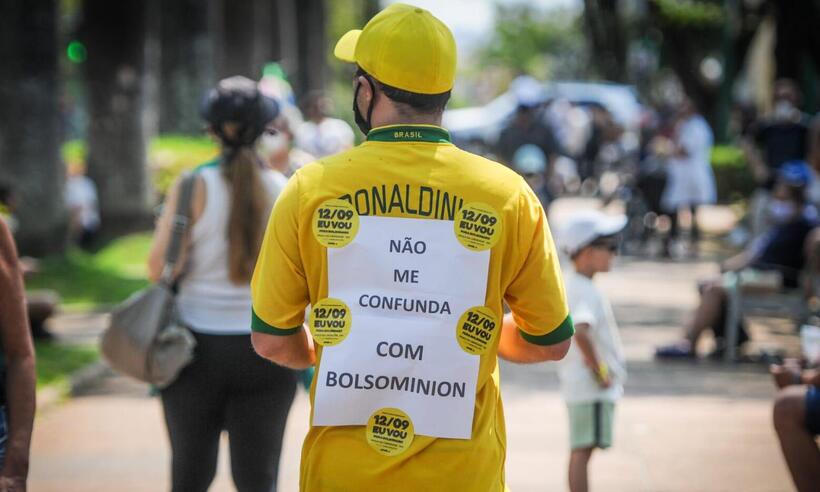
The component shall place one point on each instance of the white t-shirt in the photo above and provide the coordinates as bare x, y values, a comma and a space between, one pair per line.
690, 179
81, 195
588, 305
330, 136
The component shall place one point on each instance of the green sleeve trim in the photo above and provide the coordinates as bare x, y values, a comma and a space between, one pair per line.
564, 332
258, 325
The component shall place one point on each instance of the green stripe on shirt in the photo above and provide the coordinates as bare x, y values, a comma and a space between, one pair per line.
564, 331
260, 326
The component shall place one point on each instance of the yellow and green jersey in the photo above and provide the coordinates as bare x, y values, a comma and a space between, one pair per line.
407, 249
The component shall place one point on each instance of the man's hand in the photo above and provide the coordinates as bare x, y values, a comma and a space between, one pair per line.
12, 484
293, 351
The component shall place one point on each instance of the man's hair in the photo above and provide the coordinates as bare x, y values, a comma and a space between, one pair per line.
410, 102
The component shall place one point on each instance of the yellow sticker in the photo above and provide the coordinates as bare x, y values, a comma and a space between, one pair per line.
478, 226
477, 329
389, 431
335, 223
329, 321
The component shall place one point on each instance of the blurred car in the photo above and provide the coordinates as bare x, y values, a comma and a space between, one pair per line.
483, 124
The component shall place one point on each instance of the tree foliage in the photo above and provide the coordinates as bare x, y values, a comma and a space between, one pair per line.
530, 40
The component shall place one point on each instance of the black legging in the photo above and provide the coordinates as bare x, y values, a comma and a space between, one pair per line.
229, 387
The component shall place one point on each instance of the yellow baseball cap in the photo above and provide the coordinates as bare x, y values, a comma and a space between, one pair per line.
404, 47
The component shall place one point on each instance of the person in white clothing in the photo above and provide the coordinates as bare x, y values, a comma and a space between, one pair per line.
690, 181
275, 145
593, 373
321, 135
83, 209
226, 387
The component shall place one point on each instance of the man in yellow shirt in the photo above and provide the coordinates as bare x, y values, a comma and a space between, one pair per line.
406, 248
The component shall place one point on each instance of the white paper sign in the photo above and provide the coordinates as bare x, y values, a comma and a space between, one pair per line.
407, 282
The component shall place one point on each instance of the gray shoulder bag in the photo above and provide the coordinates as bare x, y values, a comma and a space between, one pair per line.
144, 339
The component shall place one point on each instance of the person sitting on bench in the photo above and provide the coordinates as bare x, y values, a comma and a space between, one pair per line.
780, 250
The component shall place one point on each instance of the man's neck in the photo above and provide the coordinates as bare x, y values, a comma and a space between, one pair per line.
407, 120
386, 115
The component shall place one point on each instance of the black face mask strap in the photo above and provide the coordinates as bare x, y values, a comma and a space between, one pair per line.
372, 99
364, 122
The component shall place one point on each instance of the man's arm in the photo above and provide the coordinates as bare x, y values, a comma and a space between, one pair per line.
294, 351
19, 354
514, 348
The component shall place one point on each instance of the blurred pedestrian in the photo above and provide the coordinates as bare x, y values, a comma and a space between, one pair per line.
83, 208
796, 419
690, 180
780, 251
594, 371
780, 137
320, 135
527, 125
274, 84
530, 162
276, 148
226, 387
17, 380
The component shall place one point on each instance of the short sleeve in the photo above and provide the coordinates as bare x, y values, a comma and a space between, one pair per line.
582, 312
279, 288
536, 294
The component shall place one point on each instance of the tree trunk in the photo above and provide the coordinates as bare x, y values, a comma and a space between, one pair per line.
606, 34
312, 37
29, 123
288, 40
115, 34
186, 66
246, 40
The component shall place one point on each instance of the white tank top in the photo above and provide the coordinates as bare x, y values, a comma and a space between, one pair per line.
208, 302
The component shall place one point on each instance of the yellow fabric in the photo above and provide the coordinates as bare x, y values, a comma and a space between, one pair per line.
523, 271
404, 47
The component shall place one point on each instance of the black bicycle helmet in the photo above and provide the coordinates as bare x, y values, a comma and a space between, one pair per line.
237, 100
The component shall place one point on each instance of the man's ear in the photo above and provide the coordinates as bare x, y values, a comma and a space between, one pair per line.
365, 92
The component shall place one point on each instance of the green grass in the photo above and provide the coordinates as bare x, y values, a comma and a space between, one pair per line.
85, 281
56, 362
168, 156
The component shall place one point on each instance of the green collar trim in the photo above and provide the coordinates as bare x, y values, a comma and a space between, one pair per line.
409, 133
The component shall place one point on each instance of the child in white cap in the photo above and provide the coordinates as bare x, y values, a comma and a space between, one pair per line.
593, 372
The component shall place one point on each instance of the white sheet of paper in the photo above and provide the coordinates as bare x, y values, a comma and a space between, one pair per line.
428, 375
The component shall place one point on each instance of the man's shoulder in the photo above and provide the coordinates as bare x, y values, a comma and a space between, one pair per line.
484, 168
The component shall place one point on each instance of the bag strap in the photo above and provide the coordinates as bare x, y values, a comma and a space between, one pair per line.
181, 220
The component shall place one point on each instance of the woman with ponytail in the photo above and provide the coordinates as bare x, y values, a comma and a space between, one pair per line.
227, 386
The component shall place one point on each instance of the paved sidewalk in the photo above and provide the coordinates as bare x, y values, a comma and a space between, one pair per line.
694, 427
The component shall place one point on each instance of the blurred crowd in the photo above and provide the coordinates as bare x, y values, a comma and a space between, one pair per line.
659, 167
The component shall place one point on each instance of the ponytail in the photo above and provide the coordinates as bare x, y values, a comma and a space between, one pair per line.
249, 206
